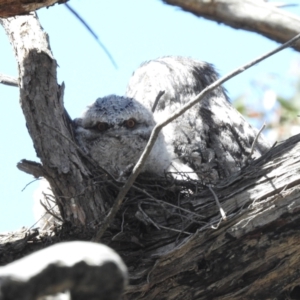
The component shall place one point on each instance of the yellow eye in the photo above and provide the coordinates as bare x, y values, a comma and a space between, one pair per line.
130, 123
101, 126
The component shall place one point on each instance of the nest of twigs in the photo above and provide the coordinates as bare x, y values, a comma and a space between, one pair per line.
155, 212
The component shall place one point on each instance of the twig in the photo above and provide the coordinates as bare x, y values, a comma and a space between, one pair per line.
188, 217
159, 95
32, 181
123, 219
147, 218
282, 5
179, 235
175, 230
158, 226
222, 212
138, 167
163, 203
255, 141
75, 13
8, 80
216, 227
48, 210
122, 226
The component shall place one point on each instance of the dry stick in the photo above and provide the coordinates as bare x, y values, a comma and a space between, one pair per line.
222, 212
158, 226
85, 24
8, 80
282, 5
187, 217
154, 134
162, 203
255, 141
48, 210
23, 189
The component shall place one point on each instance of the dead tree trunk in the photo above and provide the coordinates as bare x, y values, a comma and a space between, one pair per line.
252, 255
170, 234
49, 126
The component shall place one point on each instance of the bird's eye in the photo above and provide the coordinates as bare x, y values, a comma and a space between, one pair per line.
101, 126
130, 123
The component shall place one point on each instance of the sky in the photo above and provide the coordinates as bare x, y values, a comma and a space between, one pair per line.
134, 31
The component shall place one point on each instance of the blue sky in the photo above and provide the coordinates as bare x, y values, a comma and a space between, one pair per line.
134, 31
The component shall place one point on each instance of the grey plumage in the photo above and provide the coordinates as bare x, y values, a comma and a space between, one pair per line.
117, 146
211, 139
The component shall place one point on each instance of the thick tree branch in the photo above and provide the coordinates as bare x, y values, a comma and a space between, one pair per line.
31, 167
257, 16
9, 8
49, 124
253, 255
262, 17
93, 271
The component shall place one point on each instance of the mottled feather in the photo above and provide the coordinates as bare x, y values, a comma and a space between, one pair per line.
212, 138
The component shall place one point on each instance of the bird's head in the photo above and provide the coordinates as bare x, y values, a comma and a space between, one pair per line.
114, 130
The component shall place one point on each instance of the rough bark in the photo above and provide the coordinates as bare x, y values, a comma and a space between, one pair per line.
254, 254
9, 8
170, 234
49, 126
258, 16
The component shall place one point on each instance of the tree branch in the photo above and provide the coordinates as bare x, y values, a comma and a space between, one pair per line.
9, 8
49, 124
31, 167
92, 32
8, 80
93, 271
253, 255
257, 16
